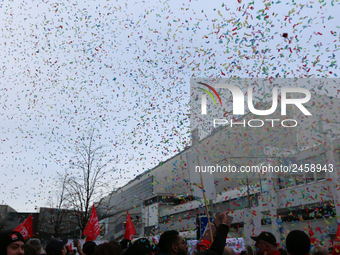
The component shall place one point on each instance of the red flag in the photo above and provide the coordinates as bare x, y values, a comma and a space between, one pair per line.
337, 236
92, 229
69, 247
129, 228
313, 240
26, 228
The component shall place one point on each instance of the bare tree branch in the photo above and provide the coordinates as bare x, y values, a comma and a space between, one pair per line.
56, 218
86, 181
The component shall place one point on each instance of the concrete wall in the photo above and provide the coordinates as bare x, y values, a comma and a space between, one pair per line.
6, 220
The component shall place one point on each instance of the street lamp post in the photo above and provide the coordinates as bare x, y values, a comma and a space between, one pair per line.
142, 215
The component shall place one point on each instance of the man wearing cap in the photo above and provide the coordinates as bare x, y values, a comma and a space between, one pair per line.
12, 243
266, 244
56, 247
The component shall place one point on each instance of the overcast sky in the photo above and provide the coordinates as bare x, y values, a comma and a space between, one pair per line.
124, 68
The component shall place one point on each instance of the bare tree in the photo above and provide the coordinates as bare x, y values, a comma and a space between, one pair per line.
60, 215
89, 178
56, 219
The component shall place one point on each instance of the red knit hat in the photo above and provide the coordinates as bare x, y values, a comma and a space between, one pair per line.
203, 245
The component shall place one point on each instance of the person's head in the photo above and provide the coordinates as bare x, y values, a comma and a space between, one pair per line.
144, 246
228, 251
36, 243
56, 247
12, 243
297, 243
139, 247
114, 242
89, 247
107, 249
265, 243
320, 250
125, 243
30, 249
170, 242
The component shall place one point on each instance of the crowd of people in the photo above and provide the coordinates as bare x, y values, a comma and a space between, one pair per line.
170, 243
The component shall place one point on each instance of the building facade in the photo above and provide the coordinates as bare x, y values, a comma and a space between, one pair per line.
163, 198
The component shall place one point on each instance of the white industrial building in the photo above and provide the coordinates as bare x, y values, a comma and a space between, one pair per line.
162, 198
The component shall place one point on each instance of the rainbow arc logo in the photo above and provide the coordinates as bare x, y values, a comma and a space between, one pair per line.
204, 96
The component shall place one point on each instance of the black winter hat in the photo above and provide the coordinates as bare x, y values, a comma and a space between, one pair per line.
7, 238
55, 246
89, 247
297, 243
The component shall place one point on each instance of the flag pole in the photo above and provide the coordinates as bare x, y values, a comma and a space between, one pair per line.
205, 201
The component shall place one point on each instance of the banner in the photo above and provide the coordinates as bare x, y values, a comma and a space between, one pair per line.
92, 229
237, 244
26, 228
203, 226
129, 228
337, 236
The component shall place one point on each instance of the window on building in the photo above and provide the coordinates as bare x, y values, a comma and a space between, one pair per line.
150, 231
281, 183
302, 176
300, 179
309, 177
337, 156
314, 165
308, 213
264, 185
321, 175
243, 202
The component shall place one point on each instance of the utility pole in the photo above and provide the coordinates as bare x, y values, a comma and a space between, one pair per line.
142, 215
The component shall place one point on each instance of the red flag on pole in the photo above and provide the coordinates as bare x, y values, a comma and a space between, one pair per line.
337, 236
313, 240
26, 228
129, 228
92, 229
